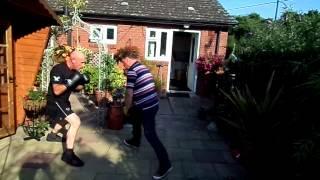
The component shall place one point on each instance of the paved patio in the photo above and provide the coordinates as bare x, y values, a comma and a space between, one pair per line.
196, 153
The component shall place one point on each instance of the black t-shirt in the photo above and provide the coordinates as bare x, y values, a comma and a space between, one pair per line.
59, 75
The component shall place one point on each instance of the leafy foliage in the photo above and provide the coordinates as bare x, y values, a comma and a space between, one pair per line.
36, 129
113, 77
276, 126
110, 75
115, 80
93, 72
75, 4
35, 94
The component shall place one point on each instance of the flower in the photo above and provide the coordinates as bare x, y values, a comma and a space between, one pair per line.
209, 64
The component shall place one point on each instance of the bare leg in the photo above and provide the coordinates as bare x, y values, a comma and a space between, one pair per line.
57, 128
68, 155
74, 122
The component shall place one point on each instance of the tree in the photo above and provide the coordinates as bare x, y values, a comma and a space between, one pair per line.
289, 49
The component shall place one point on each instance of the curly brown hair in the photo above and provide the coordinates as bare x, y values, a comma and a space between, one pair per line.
128, 51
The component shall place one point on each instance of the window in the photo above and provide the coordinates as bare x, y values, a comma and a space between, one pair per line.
104, 33
157, 43
95, 34
163, 51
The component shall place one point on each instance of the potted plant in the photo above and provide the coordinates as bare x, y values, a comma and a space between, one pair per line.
115, 80
115, 113
34, 105
96, 73
208, 68
93, 72
114, 83
35, 100
112, 76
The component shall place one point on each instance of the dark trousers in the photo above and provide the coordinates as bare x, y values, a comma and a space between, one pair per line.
147, 119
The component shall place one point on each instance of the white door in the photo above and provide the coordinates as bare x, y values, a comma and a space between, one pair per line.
193, 56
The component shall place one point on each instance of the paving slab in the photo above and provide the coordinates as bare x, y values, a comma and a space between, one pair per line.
195, 152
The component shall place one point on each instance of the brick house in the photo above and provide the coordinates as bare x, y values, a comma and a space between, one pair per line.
169, 33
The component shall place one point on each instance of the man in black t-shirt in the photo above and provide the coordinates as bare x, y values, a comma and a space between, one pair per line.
65, 78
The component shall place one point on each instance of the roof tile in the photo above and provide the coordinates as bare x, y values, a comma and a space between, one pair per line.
205, 11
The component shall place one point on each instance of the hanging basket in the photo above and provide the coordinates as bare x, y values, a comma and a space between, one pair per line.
36, 106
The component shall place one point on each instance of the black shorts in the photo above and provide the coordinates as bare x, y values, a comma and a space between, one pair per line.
58, 111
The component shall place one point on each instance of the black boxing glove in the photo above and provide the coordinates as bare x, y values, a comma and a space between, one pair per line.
85, 79
74, 80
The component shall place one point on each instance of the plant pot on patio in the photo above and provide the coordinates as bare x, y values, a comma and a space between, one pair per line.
35, 125
203, 85
115, 117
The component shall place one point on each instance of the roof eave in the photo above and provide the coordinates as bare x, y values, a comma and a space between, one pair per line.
50, 11
155, 20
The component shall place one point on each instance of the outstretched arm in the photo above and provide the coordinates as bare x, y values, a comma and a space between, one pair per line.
128, 100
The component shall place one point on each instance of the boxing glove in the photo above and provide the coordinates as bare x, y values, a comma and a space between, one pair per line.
74, 80
85, 79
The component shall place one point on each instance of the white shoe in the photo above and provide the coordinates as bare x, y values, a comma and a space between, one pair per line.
163, 174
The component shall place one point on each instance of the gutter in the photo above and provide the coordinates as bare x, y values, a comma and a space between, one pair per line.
152, 20
158, 21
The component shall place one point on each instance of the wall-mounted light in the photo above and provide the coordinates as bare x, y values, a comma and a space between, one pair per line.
124, 3
186, 26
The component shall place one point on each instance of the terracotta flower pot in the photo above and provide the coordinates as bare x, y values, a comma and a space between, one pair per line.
115, 117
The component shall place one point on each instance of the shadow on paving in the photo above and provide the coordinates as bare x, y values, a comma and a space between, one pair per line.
196, 154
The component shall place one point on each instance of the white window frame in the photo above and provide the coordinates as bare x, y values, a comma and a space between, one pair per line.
103, 34
157, 40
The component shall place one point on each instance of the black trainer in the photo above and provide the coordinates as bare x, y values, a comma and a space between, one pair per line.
162, 173
71, 159
131, 143
52, 137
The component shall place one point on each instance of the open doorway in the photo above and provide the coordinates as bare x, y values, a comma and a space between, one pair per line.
184, 53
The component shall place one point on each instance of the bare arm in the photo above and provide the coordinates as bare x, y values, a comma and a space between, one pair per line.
128, 98
58, 89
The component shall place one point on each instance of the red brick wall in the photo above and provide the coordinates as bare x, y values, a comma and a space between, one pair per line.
127, 35
223, 43
130, 35
208, 42
134, 35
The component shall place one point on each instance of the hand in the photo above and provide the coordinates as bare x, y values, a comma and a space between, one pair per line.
125, 110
